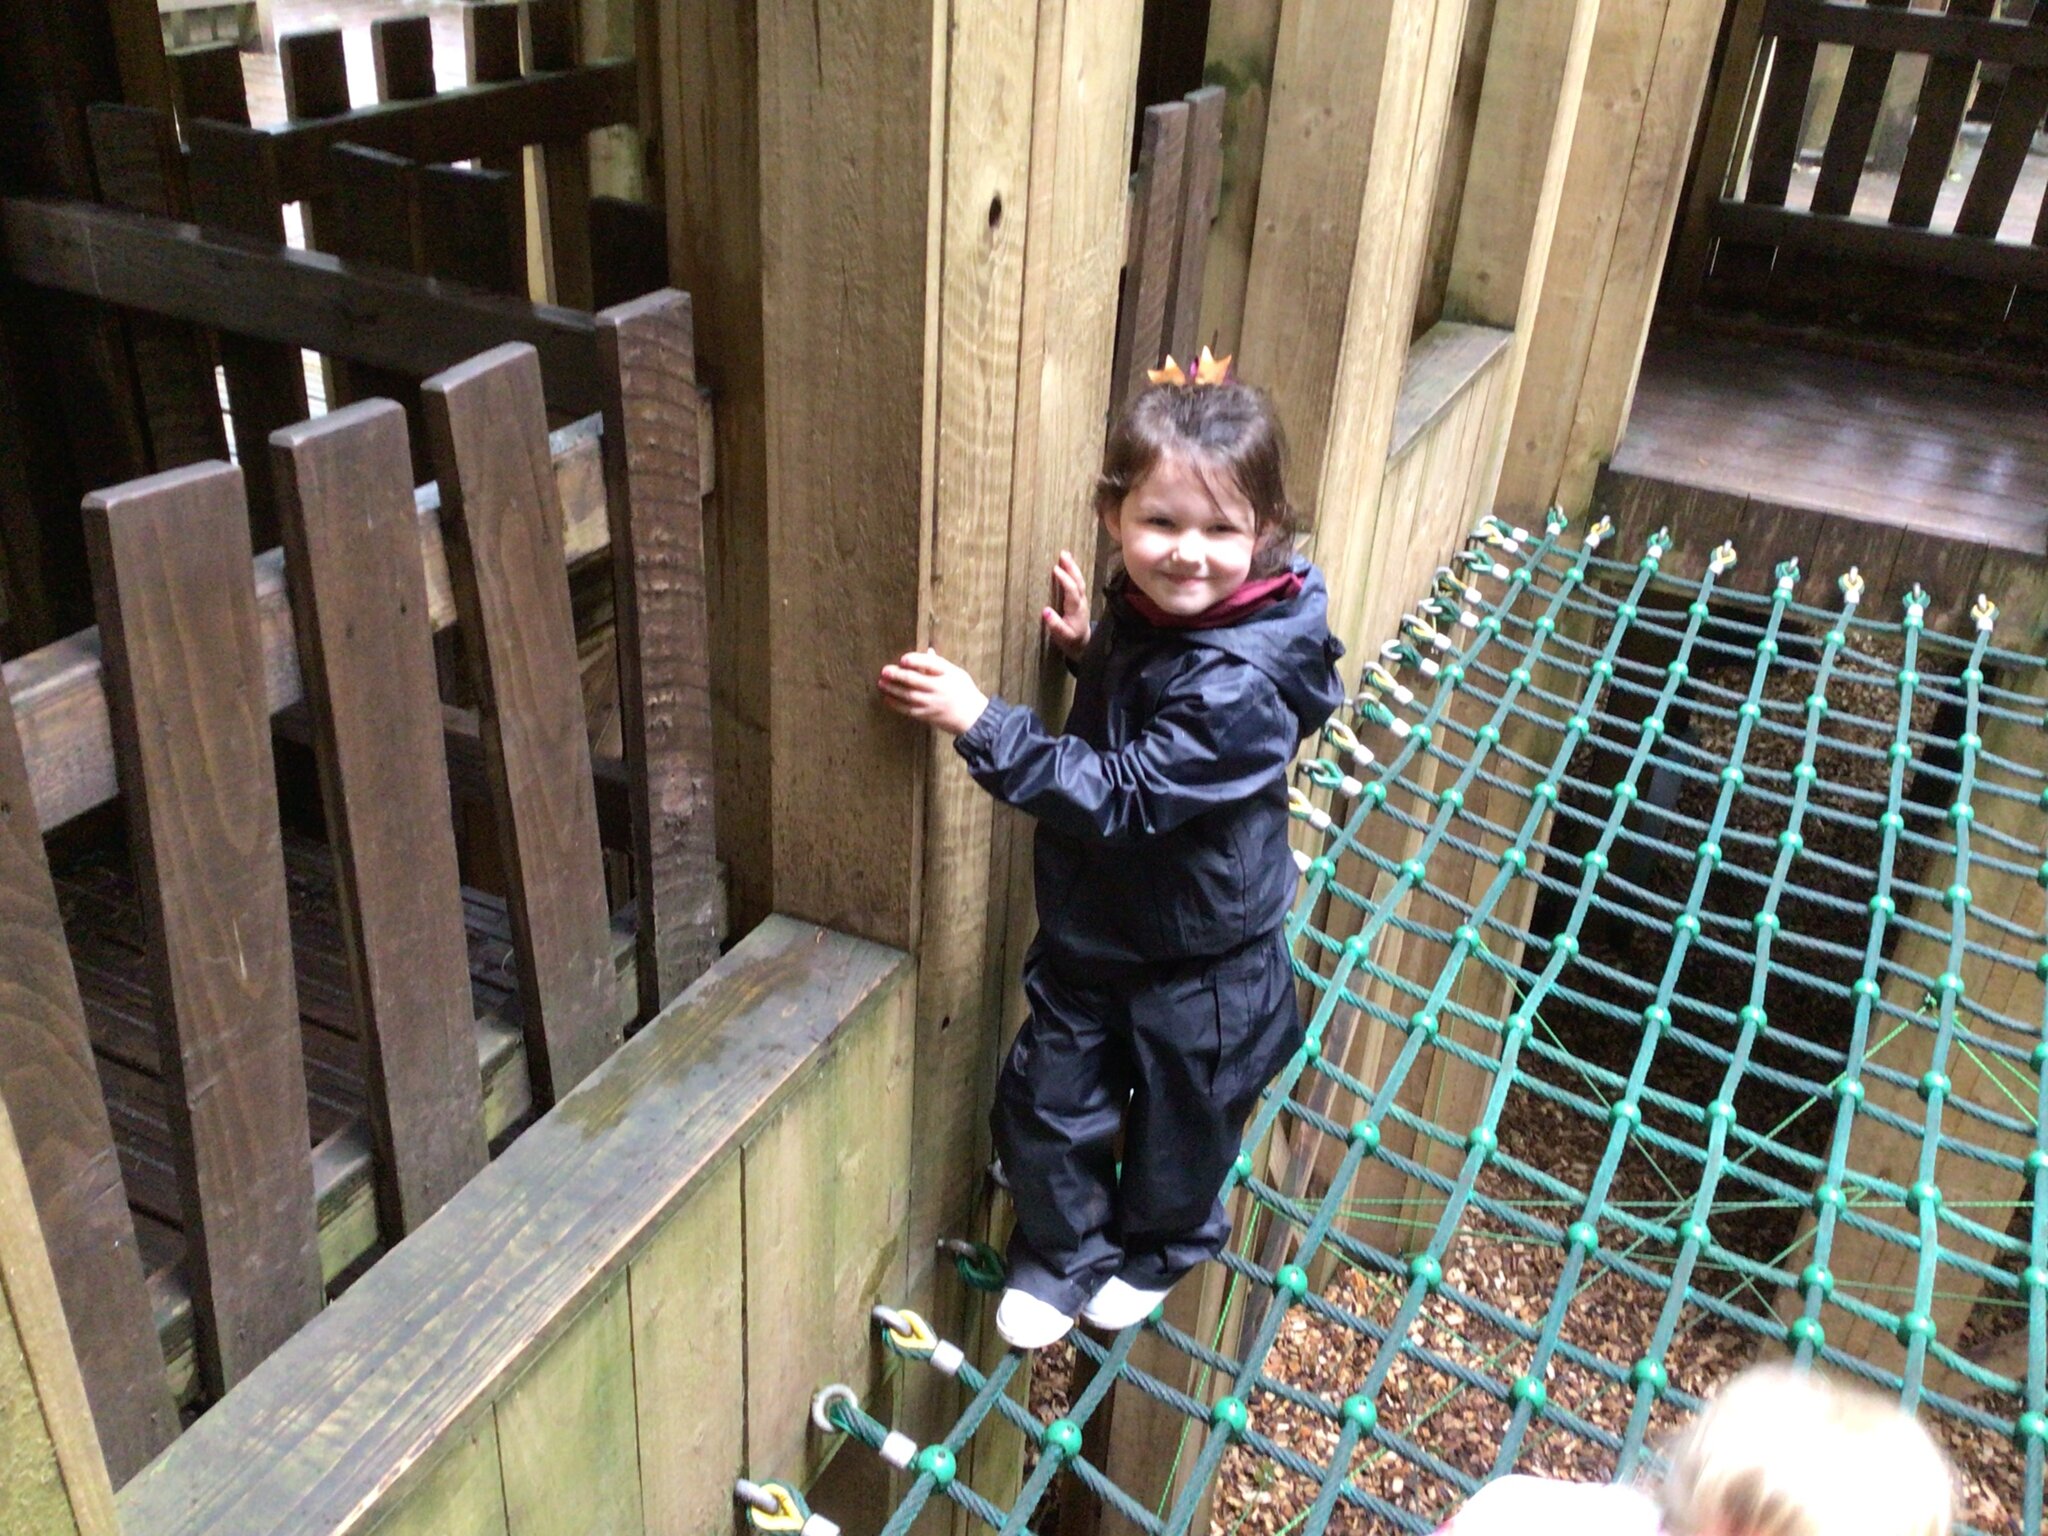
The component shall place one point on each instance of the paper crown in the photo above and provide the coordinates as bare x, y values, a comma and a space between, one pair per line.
1209, 369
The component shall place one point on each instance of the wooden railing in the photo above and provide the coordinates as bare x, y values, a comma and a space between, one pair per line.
170, 702
1770, 231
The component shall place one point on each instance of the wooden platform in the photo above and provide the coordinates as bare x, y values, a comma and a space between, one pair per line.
1952, 458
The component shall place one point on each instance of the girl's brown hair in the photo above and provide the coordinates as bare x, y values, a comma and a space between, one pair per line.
1230, 426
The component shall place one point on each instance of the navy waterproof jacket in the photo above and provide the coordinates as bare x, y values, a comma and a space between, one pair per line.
1162, 811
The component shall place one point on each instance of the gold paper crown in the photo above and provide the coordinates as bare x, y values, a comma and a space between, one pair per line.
1209, 369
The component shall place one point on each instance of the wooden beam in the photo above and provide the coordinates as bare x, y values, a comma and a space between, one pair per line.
52, 1479
1645, 83
1917, 250
59, 694
1243, 35
303, 298
354, 1417
1938, 34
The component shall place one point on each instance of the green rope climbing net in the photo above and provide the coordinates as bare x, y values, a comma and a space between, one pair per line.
1676, 959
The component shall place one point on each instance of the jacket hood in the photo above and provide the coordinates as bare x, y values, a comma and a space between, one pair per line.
1289, 641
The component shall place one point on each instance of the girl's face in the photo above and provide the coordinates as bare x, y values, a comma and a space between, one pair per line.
1187, 538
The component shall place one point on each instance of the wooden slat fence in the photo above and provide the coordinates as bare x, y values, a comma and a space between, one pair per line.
170, 704
1775, 230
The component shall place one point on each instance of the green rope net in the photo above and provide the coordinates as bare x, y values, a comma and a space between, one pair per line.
1676, 963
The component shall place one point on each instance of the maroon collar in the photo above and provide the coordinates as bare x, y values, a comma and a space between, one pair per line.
1241, 604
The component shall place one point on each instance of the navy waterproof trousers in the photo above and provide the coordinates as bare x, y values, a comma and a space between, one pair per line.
1174, 1054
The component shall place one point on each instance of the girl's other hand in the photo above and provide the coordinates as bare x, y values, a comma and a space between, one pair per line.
932, 690
1066, 621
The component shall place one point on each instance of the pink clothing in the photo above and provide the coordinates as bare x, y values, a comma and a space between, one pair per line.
1537, 1506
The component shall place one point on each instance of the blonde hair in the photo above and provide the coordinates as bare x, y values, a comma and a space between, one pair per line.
1784, 1452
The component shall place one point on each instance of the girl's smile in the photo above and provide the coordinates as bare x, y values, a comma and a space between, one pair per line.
1187, 537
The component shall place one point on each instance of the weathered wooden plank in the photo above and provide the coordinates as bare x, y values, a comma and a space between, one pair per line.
705, 75
302, 298
1155, 230
664, 644
1776, 144
1856, 109
2007, 145
473, 227
207, 82
463, 1494
827, 1197
564, 165
135, 154
347, 1414
568, 1430
1959, 32
402, 52
1202, 189
372, 218
185, 689
52, 1479
1441, 366
58, 694
1944, 92
359, 605
502, 525
491, 30
1242, 37
234, 191
315, 73
1728, 118
1917, 250
52, 1093
484, 121
689, 1329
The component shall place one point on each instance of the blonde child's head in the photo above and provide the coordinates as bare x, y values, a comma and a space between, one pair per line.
1784, 1452
1228, 433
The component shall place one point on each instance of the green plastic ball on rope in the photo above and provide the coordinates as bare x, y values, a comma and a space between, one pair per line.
1483, 1140
1933, 1083
1582, 1235
1231, 1416
1827, 1197
936, 1463
1815, 1277
1291, 1281
2030, 1426
1923, 1194
1914, 1325
1367, 1135
1062, 1439
1625, 1112
1650, 1373
1242, 1165
1362, 1412
1527, 1389
1426, 1269
1806, 1330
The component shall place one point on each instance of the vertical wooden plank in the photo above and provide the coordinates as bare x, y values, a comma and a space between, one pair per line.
568, 1437
135, 154
1242, 38
402, 52
315, 74
706, 70
1741, 61
365, 644
464, 1495
564, 179
1848, 146
139, 53
1155, 230
471, 227
372, 200
1202, 187
1642, 93
651, 479
233, 178
52, 1480
502, 526
1329, 71
208, 83
1776, 144
51, 1090
184, 676
689, 1332
491, 30
1943, 94
825, 1194
848, 217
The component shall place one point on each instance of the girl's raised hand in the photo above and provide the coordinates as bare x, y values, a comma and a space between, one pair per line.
1066, 621
930, 689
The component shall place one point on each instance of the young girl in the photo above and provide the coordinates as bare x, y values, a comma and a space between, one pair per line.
1162, 998
1777, 1452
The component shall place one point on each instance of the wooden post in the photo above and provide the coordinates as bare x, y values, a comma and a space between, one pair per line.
1243, 35
51, 1479
1644, 85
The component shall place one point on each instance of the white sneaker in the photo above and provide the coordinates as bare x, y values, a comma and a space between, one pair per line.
1025, 1322
1119, 1304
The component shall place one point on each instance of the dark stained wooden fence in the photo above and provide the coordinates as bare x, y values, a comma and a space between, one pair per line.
1944, 248
1174, 193
279, 1109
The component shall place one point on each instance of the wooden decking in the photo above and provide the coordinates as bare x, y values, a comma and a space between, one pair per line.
1951, 458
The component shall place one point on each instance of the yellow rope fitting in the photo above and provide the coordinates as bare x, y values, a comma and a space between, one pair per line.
1984, 612
771, 1507
1852, 586
1723, 558
906, 1331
